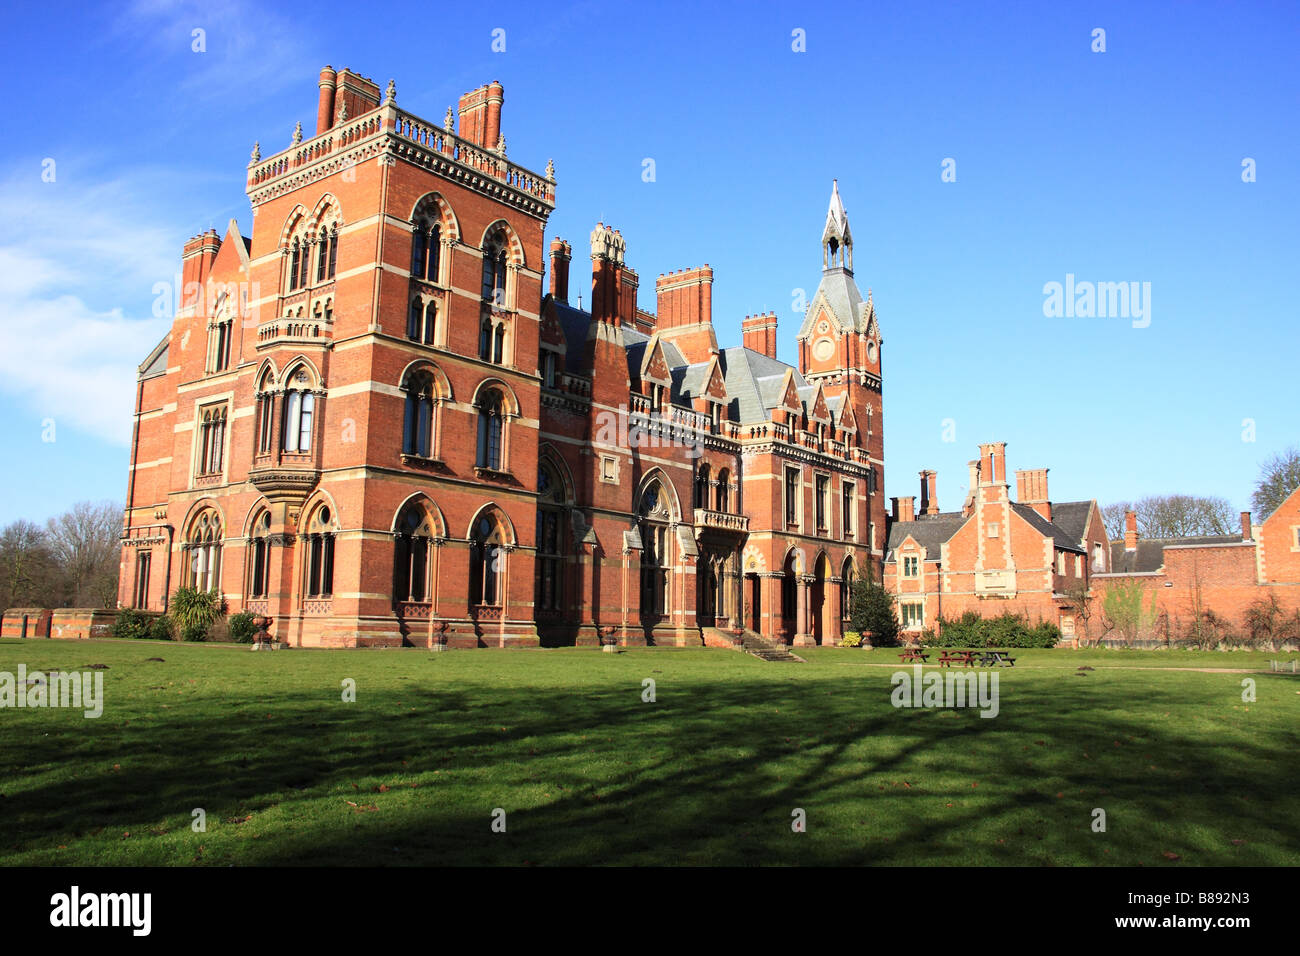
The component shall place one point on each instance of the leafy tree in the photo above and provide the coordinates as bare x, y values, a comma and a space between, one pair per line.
873, 614
1278, 478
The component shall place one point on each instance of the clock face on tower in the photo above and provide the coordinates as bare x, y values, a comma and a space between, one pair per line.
823, 349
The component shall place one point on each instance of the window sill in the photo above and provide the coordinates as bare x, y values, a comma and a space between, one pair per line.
420, 461
492, 474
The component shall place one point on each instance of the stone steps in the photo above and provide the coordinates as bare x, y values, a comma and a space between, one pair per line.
766, 650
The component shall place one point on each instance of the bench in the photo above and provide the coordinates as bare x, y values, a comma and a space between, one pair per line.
965, 658
914, 654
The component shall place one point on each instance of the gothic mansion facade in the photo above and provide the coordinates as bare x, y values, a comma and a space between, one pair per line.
376, 424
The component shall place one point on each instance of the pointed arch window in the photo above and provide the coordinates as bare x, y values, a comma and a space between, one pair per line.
294, 257
203, 552
259, 560
299, 412
494, 269
320, 554
265, 415
334, 253
491, 428
414, 531
487, 560
655, 552
418, 422
549, 591
426, 246
702, 487
302, 265
212, 440
421, 321
724, 490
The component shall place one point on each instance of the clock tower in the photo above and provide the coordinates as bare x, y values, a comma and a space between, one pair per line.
840, 349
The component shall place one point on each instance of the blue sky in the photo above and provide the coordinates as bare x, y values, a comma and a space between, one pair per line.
1122, 166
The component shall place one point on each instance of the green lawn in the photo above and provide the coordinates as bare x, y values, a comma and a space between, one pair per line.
589, 773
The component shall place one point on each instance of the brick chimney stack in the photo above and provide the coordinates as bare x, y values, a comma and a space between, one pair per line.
496, 95
1130, 531
1246, 534
607, 281
685, 298
472, 117
561, 253
325, 105
904, 508
969, 504
929, 499
993, 463
758, 333
1031, 489
197, 257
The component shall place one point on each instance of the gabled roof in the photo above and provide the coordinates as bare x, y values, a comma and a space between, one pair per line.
1049, 529
156, 361
754, 382
929, 531
843, 301
1072, 518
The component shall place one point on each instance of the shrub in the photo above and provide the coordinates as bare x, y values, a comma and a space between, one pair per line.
130, 624
1006, 630
873, 614
243, 626
161, 629
194, 611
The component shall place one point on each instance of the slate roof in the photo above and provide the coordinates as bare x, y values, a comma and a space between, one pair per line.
753, 382
844, 299
930, 531
1150, 553
1072, 518
1049, 529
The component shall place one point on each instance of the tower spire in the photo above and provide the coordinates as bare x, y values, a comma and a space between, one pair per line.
837, 239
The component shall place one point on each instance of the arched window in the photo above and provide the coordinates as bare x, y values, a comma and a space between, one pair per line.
485, 339
299, 409
499, 344
414, 530
655, 552
334, 252
259, 558
212, 440
320, 554
322, 257
724, 490
265, 414
426, 247
551, 512
486, 561
494, 269
203, 552
490, 431
302, 265
417, 429
702, 486
295, 255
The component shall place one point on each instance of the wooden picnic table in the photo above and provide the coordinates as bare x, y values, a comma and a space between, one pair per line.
965, 658
914, 654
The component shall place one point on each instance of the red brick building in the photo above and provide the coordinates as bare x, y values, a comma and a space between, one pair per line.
1184, 578
1030, 556
370, 421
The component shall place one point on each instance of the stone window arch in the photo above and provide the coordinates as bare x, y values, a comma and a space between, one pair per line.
203, 543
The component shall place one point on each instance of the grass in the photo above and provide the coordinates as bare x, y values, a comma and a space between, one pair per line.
589, 773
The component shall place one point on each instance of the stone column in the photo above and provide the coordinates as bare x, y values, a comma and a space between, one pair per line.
803, 636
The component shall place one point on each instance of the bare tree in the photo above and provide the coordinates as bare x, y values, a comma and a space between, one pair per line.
29, 575
85, 541
1278, 477
1112, 517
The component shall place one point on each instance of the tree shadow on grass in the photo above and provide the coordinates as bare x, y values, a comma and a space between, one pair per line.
711, 773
